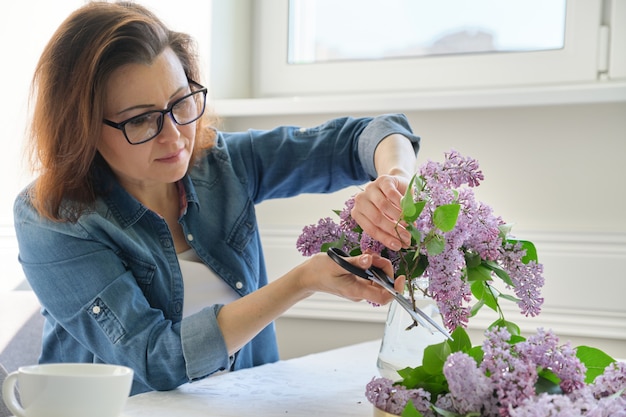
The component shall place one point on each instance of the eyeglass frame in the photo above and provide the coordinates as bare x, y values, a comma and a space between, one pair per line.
122, 125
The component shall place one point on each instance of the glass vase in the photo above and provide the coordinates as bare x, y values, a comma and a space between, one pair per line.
402, 344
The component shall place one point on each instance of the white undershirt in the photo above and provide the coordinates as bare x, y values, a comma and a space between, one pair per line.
203, 287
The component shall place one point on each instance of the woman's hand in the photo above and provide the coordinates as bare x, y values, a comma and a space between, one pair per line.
377, 210
321, 274
242, 319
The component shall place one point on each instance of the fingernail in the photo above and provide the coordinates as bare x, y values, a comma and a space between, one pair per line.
364, 259
395, 245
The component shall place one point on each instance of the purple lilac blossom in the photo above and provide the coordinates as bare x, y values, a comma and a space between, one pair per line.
527, 278
447, 287
581, 405
513, 378
546, 405
347, 223
386, 396
481, 226
612, 381
469, 387
543, 350
314, 236
370, 244
454, 172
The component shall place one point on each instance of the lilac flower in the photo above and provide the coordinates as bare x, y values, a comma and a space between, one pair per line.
609, 407
612, 381
583, 405
454, 172
384, 395
347, 223
368, 243
513, 378
527, 279
543, 350
546, 405
469, 388
462, 170
480, 226
315, 235
448, 288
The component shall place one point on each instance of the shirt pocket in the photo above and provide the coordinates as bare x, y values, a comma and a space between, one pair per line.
243, 229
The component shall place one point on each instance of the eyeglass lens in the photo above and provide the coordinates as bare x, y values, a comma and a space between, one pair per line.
146, 126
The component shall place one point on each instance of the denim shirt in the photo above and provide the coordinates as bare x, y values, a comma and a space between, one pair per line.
110, 284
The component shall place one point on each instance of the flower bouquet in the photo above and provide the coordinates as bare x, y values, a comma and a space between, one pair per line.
464, 257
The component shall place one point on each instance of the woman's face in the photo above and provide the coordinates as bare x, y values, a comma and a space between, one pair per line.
135, 89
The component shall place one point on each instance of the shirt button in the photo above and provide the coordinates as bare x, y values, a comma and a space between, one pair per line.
95, 310
239, 285
189, 237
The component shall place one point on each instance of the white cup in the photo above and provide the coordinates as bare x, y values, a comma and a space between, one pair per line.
68, 390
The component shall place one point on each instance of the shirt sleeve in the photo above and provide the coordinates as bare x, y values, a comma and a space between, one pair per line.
379, 128
292, 160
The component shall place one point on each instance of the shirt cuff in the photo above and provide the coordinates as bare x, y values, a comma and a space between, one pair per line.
203, 344
379, 128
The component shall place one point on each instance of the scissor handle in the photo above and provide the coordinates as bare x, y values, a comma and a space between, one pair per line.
338, 256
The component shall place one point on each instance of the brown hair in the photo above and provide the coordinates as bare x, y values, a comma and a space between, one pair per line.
68, 91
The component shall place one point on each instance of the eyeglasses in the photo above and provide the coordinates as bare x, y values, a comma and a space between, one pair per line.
147, 126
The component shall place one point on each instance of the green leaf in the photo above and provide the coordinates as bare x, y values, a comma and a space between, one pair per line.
546, 385
472, 259
478, 289
594, 360
500, 272
482, 292
477, 353
434, 357
407, 204
445, 216
479, 273
411, 411
549, 375
510, 298
511, 327
460, 341
435, 244
420, 266
416, 235
476, 307
531, 250
419, 378
339, 243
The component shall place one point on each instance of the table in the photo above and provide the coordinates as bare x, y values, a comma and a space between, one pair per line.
330, 383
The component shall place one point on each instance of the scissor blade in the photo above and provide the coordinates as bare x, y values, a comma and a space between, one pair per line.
417, 314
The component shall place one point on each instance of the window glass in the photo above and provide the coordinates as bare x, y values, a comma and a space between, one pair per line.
330, 30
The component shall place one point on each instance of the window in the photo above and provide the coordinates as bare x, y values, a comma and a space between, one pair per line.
569, 56
327, 30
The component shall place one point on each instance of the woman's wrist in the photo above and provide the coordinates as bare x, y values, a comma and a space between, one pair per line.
395, 156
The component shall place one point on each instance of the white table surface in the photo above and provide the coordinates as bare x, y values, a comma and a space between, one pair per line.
330, 383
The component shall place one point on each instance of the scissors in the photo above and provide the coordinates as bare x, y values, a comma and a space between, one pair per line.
378, 276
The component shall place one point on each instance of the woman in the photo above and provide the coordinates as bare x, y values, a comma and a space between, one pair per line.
139, 234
